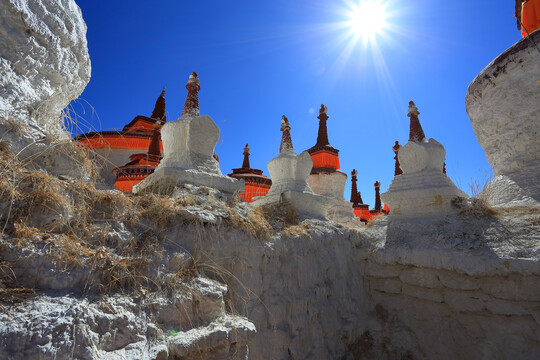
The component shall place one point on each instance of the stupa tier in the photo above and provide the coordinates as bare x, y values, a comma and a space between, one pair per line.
256, 184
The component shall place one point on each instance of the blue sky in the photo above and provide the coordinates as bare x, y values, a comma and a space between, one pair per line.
258, 60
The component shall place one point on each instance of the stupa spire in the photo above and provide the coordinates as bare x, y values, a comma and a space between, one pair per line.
356, 198
191, 107
322, 136
377, 196
245, 164
395, 148
159, 108
155, 148
286, 141
416, 133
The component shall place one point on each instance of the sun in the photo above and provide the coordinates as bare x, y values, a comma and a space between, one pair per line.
367, 19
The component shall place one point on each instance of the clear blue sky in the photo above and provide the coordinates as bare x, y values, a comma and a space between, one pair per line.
258, 60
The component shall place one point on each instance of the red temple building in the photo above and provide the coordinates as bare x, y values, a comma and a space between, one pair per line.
256, 183
360, 209
140, 165
115, 148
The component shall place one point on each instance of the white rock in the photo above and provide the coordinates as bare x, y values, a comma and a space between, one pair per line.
44, 62
503, 104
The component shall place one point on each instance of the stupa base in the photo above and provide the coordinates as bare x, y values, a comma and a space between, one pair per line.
307, 205
424, 194
166, 178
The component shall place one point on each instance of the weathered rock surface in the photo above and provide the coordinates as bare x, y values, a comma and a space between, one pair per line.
44, 62
503, 105
396, 289
186, 324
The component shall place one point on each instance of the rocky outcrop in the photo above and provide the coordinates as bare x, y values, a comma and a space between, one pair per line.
44, 63
503, 105
186, 324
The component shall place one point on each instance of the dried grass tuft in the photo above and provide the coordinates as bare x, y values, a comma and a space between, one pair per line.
474, 207
15, 127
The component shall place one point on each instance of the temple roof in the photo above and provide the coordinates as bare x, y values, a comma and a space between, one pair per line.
247, 173
159, 108
140, 123
137, 134
145, 123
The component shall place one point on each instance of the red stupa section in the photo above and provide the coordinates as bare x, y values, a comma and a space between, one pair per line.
140, 165
325, 157
256, 183
135, 136
360, 209
528, 16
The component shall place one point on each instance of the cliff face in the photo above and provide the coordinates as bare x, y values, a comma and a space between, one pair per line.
124, 276
89, 273
419, 289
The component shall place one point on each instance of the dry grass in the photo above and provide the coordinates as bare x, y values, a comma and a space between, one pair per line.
75, 222
474, 207
15, 127
280, 215
478, 184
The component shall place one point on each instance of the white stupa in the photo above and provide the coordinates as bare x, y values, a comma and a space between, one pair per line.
422, 189
188, 151
503, 103
289, 172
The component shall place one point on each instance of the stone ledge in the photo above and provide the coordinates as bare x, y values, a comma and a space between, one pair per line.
513, 288
423, 293
457, 281
382, 270
420, 277
391, 286
504, 307
470, 301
